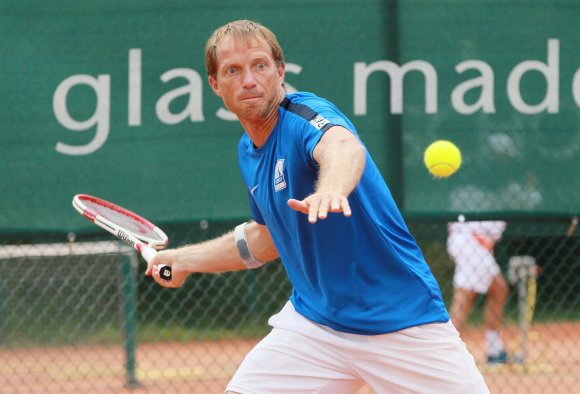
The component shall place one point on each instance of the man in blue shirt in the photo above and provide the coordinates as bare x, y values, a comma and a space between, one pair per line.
365, 308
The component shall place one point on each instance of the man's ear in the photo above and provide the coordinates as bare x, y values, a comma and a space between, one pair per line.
281, 72
214, 85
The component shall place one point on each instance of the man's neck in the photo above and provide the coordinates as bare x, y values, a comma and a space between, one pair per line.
260, 129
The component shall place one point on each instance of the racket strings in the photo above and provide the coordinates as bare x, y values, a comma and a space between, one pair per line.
122, 219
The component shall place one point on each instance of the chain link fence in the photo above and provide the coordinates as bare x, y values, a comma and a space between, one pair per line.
80, 317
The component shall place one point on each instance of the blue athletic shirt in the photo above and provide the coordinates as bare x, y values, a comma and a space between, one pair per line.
362, 274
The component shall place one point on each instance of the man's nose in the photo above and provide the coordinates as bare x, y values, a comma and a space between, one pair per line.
249, 80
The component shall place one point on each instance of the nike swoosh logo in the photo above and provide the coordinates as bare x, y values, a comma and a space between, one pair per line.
252, 190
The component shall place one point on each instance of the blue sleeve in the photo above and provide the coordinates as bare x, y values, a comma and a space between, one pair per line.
328, 117
256, 214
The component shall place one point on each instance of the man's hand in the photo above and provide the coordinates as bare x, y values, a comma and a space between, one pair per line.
317, 205
166, 257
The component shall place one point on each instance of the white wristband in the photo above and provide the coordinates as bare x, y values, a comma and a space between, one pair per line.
242, 244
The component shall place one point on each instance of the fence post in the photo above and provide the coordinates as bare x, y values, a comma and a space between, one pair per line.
129, 315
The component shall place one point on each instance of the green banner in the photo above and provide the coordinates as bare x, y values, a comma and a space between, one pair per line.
110, 98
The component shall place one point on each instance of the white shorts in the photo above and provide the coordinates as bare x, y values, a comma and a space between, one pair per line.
299, 356
475, 266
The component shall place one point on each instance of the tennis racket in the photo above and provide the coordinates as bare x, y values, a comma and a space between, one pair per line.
129, 227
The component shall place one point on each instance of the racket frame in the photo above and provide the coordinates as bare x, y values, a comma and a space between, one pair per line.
120, 232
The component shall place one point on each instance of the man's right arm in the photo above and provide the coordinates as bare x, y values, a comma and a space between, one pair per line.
217, 255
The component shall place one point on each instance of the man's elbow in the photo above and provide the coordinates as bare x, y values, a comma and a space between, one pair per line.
359, 155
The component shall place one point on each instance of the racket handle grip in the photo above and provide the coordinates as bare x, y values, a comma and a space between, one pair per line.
165, 272
148, 253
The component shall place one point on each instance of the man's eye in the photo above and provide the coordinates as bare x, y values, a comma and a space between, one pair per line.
232, 70
261, 66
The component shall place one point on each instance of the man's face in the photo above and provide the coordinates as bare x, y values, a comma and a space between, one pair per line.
248, 79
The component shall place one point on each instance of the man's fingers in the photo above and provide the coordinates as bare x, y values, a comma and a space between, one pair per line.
325, 205
298, 205
317, 206
345, 207
336, 204
340, 204
314, 206
149, 270
152, 270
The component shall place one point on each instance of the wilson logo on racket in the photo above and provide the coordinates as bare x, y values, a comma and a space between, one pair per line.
125, 238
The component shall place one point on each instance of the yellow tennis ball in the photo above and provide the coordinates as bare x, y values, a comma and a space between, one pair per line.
442, 158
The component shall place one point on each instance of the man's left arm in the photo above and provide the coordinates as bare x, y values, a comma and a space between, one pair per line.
341, 158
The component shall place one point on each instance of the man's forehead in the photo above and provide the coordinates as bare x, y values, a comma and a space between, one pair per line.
242, 43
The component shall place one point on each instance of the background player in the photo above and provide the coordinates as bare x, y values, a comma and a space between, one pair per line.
471, 245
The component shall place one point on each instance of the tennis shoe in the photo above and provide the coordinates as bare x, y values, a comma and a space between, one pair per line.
501, 358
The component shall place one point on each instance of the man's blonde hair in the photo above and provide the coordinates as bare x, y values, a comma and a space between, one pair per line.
240, 29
